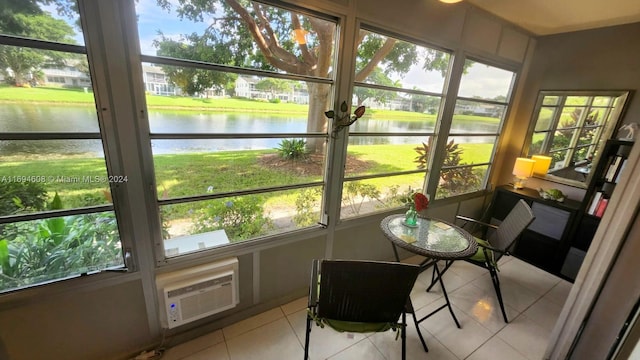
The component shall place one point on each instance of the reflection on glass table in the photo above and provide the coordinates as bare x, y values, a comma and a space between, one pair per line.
435, 240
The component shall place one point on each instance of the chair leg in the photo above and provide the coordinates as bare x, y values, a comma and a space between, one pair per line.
496, 286
306, 338
403, 335
415, 322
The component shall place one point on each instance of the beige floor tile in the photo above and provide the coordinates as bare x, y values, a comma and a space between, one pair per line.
273, 341
559, 293
295, 306
528, 276
482, 305
216, 352
190, 347
496, 349
392, 348
466, 271
513, 294
529, 338
251, 323
324, 342
363, 349
544, 313
461, 342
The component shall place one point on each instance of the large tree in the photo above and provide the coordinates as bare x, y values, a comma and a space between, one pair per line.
262, 36
25, 18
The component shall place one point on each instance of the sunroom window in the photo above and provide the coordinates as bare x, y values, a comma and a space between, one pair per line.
388, 154
56, 214
480, 109
236, 100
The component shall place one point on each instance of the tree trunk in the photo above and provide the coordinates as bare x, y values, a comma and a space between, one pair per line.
317, 121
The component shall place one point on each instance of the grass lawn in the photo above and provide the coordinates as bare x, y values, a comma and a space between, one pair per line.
52, 95
181, 175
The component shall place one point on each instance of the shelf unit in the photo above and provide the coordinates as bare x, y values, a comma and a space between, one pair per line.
605, 178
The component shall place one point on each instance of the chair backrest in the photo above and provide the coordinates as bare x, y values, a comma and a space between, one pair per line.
364, 291
508, 231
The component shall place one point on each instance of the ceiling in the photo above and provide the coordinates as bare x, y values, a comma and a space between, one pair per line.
545, 17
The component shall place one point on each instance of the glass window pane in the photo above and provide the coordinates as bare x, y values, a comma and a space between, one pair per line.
485, 82
373, 195
42, 250
458, 181
570, 117
194, 226
545, 118
475, 117
577, 100
33, 75
405, 65
196, 167
562, 139
213, 32
603, 101
42, 20
368, 155
52, 167
550, 100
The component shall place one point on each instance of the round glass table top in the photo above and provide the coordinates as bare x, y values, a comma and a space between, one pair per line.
430, 237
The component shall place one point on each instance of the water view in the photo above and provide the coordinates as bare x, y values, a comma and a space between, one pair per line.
51, 118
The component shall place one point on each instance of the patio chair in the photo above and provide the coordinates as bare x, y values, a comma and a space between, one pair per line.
360, 296
498, 243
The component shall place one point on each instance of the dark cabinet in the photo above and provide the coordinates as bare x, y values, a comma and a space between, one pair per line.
546, 241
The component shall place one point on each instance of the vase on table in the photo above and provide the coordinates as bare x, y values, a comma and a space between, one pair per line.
411, 216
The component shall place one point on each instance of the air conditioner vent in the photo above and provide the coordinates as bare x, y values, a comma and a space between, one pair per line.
191, 294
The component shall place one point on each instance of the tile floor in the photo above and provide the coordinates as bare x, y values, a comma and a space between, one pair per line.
533, 300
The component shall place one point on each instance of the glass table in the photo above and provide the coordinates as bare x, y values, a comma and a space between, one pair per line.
435, 240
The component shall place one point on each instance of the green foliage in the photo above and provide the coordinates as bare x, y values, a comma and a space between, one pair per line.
307, 202
240, 217
453, 179
355, 193
274, 101
48, 249
292, 149
16, 197
16, 63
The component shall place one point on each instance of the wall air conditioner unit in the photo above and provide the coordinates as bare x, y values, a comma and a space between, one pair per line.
194, 293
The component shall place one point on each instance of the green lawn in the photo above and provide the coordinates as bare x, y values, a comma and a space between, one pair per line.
51, 95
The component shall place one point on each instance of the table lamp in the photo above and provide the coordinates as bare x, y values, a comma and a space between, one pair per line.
522, 169
542, 164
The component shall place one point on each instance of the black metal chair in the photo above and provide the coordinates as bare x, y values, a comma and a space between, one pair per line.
360, 296
499, 242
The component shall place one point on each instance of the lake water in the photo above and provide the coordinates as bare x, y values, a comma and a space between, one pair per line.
25, 118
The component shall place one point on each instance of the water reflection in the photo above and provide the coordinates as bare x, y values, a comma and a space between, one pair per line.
23, 118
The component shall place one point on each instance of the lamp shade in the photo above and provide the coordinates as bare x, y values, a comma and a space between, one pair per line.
523, 168
542, 164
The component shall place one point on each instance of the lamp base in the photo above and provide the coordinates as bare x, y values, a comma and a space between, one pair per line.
518, 183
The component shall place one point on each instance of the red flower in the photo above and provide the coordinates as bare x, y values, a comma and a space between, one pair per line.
421, 201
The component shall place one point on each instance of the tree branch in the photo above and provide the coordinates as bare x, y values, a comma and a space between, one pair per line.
304, 49
384, 50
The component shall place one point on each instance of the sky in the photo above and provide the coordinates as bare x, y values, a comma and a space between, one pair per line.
480, 80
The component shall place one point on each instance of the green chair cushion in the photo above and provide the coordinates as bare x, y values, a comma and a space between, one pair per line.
358, 327
479, 256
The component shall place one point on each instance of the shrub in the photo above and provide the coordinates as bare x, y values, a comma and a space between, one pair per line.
307, 201
274, 101
18, 197
292, 149
240, 217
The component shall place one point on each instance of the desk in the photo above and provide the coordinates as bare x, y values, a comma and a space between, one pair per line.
433, 239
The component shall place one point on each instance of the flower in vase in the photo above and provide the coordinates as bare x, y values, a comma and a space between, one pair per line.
421, 201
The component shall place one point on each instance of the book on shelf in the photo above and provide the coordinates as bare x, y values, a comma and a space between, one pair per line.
594, 203
613, 168
624, 162
602, 206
